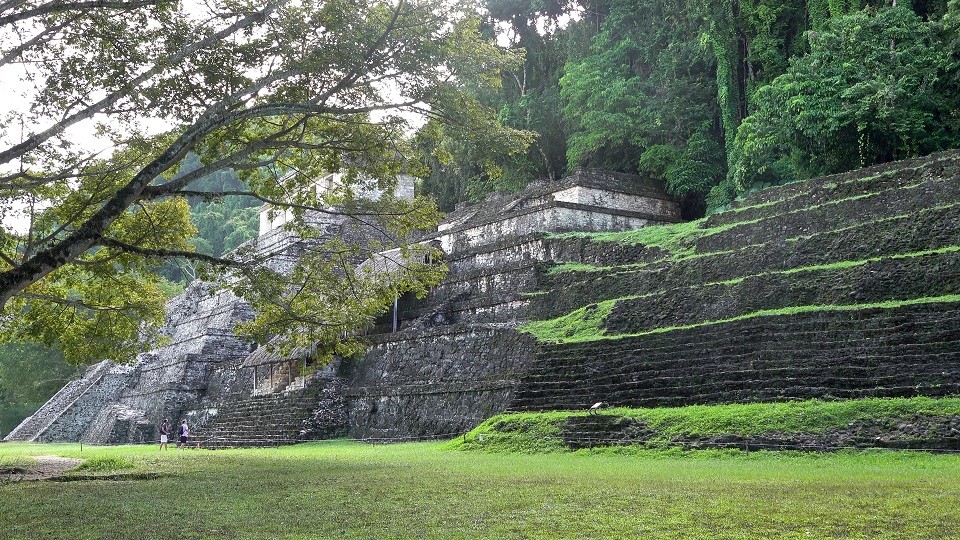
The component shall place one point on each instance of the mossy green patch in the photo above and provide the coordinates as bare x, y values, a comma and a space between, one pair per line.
543, 431
577, 327
676, 240
521, 433
583, 324
104, 464
575, 267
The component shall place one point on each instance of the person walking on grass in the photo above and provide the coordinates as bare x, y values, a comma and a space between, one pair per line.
184, 433
164, 433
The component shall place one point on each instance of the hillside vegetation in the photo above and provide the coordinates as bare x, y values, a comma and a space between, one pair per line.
803, 425
714, 98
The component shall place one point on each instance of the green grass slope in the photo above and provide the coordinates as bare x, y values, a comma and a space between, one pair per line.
548, 431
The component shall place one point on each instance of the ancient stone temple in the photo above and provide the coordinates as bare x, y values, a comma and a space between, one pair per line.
434, 367
836, 288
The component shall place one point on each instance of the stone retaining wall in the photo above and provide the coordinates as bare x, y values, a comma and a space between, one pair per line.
433, 382
837, 288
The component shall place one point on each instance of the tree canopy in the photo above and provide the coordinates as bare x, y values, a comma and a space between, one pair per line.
875, 87
279, 92
717, 97
144, 121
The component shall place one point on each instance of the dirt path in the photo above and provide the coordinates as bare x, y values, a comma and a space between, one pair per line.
44, 467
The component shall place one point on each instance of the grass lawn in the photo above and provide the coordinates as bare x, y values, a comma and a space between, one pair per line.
425, 490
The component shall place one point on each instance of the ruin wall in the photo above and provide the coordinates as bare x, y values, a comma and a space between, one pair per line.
837, 288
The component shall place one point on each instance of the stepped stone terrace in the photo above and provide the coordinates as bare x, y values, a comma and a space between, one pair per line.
452, 363
589, 290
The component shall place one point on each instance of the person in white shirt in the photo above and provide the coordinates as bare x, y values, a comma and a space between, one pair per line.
184, 433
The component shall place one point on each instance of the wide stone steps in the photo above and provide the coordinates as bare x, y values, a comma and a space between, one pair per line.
917, 432
268, 420
34, 425
874, 179
829, 355
766, 263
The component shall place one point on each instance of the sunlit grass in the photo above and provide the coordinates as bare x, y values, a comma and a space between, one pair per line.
348, 490
587, 324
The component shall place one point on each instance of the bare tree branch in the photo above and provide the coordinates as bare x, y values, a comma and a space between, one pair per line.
76, 304
169, 253
60, 7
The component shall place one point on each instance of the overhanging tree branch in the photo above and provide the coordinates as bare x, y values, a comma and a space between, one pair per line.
170, 253
60, 7
34, 141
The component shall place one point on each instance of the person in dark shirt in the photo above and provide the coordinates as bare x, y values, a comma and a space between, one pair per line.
164, 433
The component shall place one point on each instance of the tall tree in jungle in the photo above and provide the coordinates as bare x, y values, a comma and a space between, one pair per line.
644, 98
876, 86
527, 98
277, 90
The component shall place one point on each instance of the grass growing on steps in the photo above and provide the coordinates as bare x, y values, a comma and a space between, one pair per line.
541, 432
576, 267
841, 179
585, 324
348, 490
838, 265
677, 239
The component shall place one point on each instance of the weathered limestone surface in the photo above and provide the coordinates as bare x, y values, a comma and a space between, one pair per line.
435, 382
914, 432
840, 287
456, 360
792, 293
69, 411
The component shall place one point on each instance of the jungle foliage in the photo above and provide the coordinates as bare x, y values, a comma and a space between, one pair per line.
717, 98
29, 375
94, 197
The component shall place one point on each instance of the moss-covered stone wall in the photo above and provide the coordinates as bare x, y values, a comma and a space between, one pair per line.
839, 287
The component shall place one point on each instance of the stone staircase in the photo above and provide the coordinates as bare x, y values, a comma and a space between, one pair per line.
892, 353
34, 426
263, 420
841, 287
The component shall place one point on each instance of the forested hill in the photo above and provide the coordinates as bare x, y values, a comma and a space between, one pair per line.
714, 97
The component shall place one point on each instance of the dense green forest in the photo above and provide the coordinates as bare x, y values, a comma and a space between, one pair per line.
29, 375
714, 98
222, 223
